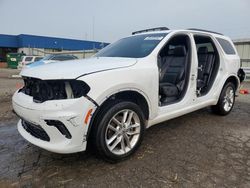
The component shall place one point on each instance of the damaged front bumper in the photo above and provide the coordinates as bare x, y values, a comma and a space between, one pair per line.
57, 125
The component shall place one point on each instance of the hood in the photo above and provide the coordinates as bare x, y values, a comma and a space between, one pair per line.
38, 63
75, 68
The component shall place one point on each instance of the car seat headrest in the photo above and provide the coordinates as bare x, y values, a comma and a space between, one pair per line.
203, 50
171, 52
180, 51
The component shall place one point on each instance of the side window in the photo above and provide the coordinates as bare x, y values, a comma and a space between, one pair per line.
226, 45
179, 41
67, 58
204, 44
57, 58
38, 58
62, 58
28, 58
207, 45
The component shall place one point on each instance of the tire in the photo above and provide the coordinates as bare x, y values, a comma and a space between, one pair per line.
112, 137
226, 101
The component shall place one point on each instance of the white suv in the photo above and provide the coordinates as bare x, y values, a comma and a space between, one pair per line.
110, 99
26, 60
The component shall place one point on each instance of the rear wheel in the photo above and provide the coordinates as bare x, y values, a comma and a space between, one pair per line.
119, 130
226, 100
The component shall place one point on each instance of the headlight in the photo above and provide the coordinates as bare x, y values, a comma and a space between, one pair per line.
43, 90
79, 88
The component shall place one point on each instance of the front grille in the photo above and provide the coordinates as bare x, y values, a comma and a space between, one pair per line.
35, 130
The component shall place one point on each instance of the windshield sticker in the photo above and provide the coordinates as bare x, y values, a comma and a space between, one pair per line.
153, 38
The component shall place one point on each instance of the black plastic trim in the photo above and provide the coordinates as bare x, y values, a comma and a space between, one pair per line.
92, 121
92, 100
150, 29
241, 75
35, 130
203, 30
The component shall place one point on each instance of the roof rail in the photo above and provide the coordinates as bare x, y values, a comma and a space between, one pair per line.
194, 29
151, 29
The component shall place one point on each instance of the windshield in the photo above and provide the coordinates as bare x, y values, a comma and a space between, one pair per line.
137, 46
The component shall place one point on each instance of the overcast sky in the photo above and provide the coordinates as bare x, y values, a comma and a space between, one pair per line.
109, 20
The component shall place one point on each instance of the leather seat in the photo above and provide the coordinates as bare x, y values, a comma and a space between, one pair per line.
205, 63
172, 73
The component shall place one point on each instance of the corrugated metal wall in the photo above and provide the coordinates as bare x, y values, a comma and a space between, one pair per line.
244, 53
8, 41
243, 48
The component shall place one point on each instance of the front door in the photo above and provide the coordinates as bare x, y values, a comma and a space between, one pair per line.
177, 76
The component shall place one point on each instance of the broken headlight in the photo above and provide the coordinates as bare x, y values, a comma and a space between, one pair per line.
79, 88
43, 90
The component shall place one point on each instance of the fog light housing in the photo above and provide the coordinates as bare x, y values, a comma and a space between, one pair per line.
60, 126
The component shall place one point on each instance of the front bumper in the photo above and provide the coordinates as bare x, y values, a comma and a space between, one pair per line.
70, 112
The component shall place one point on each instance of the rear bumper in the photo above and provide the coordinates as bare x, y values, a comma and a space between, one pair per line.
241, 75
71, 113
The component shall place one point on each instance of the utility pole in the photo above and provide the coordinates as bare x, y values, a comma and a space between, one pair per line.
93, 27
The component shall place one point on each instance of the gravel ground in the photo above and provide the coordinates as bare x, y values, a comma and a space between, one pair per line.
8, 86
196, 150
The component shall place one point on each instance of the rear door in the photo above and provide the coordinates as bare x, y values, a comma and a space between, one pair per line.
208, 63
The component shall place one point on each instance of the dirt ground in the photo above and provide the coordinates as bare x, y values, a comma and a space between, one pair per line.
8, 86
196, 150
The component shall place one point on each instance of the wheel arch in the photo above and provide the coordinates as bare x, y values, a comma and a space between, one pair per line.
234, 79
218, 108
127, 95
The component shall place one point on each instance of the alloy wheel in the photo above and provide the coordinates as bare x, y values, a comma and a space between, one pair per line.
228, 99
123, 132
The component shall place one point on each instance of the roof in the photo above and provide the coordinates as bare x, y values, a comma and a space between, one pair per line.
8, 41
149, 31
33, 41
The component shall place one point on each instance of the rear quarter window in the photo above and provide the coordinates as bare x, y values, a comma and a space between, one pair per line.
226, 46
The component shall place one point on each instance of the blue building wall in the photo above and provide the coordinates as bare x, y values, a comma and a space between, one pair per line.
32, 41
8, 41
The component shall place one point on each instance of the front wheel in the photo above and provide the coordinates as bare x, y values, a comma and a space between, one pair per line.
119, 130
226, 100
